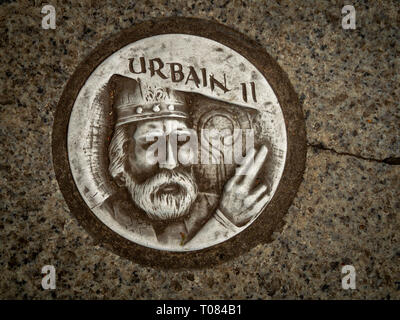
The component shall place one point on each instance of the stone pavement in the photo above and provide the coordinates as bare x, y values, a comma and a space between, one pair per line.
346, 210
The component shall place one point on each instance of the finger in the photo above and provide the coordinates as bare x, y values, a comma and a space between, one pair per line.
247, 161
259, 191
262, 202
251, 200
258, 207
255, 168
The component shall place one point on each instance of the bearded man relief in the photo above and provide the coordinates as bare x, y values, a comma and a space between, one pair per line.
161, 199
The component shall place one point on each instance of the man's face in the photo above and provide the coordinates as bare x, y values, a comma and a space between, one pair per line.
166, 189
171, 132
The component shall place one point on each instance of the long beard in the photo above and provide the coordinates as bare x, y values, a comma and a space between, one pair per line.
168, 195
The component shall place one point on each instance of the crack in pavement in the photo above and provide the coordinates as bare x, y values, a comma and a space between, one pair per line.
394, 161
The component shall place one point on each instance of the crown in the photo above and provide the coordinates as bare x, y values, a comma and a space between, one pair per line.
154, 95
134, 101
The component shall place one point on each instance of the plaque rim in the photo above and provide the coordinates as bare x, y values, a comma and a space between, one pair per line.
269, 221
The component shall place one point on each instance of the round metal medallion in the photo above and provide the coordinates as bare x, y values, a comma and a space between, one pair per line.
179, 143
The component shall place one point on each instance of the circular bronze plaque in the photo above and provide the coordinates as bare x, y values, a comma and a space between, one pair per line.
179, 143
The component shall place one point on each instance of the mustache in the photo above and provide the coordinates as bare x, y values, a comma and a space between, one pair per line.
166, 177
165, 195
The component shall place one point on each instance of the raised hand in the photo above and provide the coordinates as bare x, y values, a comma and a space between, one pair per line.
241, 201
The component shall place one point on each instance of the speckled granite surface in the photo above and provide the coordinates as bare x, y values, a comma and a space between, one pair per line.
347, 208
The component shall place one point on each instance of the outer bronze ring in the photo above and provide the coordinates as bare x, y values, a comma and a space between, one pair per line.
260, 231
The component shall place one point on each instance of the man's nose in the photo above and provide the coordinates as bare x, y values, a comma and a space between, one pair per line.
170, 161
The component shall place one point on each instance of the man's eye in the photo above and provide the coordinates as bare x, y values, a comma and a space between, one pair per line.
182, 139
147, 144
